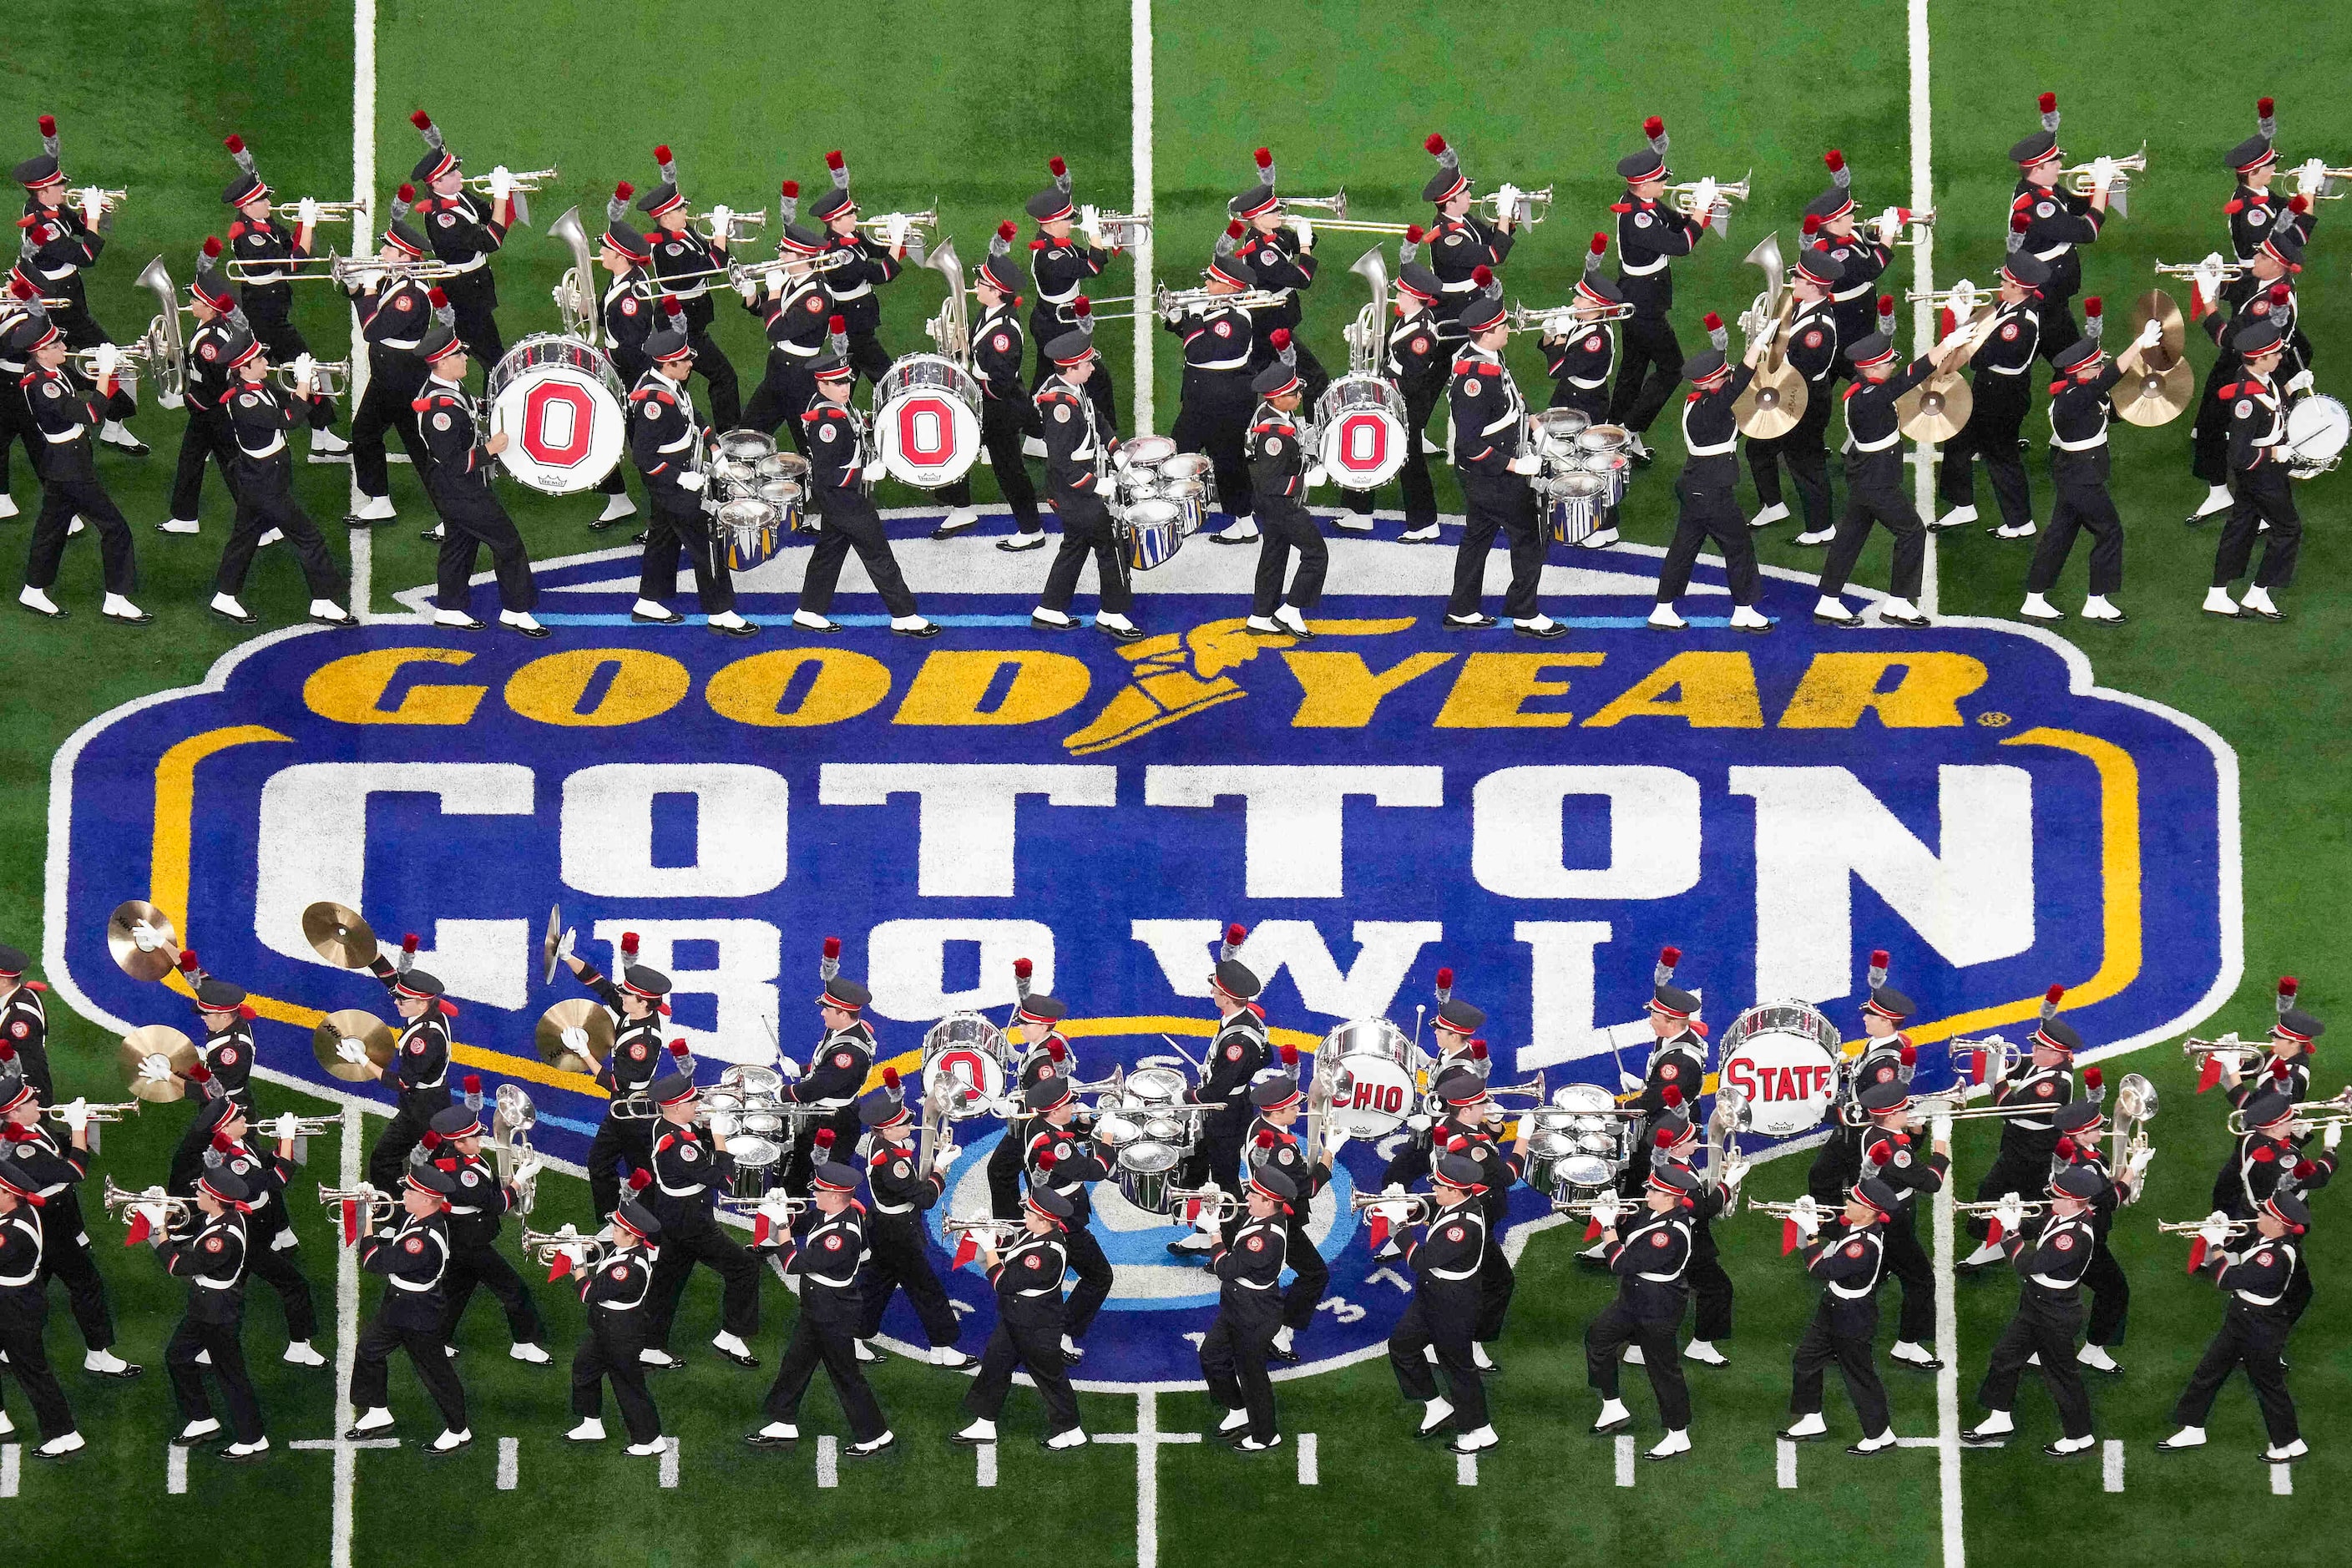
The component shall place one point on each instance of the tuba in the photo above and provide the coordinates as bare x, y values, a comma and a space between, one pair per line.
164, 346
951, 330
1367, 340
577, 296
1776, 397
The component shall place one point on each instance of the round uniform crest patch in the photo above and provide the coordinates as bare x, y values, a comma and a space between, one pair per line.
1061, 413
1257, 1244
833, 1244
414, 1244
2244, 407
2064, 1242
212, 1244
440, 422
1670, 1072
2044, 1090
1272, 446
628, 306
2263, 1258
1000, 343
2045, 209
1641, 220
1420, 345
900, 1167
20, 1028
842, 1058
1901, 1158
1813, 339
1470, 384
416, 1047
2261, 307
472, 1178
2256, 217
209, 351
1854, 1249
1454, 1234
1659, 1239
824, 432
637, 1052
1233, 1053
619, 1273
2009, 333
227, 1057
448, 220
1034, 1261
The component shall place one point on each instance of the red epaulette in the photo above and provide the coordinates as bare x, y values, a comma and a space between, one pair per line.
29, 378
2228, 391
878, 1155
1852, 388
1472, 365
2233, 207
2024, 200
1621, 207
237, 231
2058, 386
641, 394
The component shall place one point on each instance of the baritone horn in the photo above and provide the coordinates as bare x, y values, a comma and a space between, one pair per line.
166, 347
577, 298
1368, 335
951, 330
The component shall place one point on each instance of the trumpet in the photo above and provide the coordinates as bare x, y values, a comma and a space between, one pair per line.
332, 379
1584, 1208
1414, 1208
2229, 1227
83, 196
986, 1231
1891, 228
359, 271
363, 1200
304, 1126
285, 270
1115, 228
129, 360
1508, 204
1534, 318
2326, 177
2227, 1044
1684, 197
2310, 1117
739, 225
526, 181
2229, 271
1225, 1204
1990, 1209
2081, 178
1793, 1208
116, 1199
1961, 298
542, 1246
114, 1111
1012, 1110
918, 224
334, 212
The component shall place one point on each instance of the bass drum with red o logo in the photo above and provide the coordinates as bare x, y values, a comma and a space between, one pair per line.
1784, 1056
926, 420
1362, 432
560, 404
1375, 1090
967, 1052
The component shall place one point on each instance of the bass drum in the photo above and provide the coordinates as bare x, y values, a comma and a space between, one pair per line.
1362, 432
967, 1052
559, 402
926, 420
1372, 1095
1784, 1056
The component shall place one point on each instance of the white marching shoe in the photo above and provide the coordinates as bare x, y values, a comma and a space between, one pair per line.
532, 1355
1234, 1421
2187, 1438
1663, 617
1240, 532
299, 1353
2038, 608
1777, 512
647, 1450
1959, 516
1704, 1353
1674, 1445
956, 521
590, 1430
616, 509
178, 525
1434, 1415
374, 509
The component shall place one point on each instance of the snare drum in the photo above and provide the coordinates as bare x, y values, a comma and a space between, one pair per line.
753, 1082
926, 420
1547, 1152
1144, 453
748, 445
2316, 429
558, 401
1145, 1169
1155, 532
1147, 1088
751, 530
1114, 1133
1573, 501
1555, 431
1613, 467
757, 1163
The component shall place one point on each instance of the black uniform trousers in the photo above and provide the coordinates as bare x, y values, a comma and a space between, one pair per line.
428, 1353
1412, 480
482, 1265
1213, 418
2083, 502
1287, 526
824, 1335
1443, 1313
1604, 1346
1234, 1353
1028, 1333
1004, 1176
1710, 512
472, 519
1837, 1165
280, 1267
1907, 1260
265, 499
21, 1318
389, 1159
1875, 494
67, 1256
687, 530
1086, 1299
1647, 373
473, 296
2261, 496
2255, 1338
225, 1344
16, 425
868, 357
61, 501
1002, 423
783, 397
1807, 456
2043, 1326
1311, 1276
1710, 1286
717, 373
1217, 1157
1497, 1281
698, 1240
2209, 427
1503, 503
611, 1350
1087, 529
1847, 1333
276, 331
2059, 331
2023, 1170
616, 1140
897, 1259
206, 434
851, 522
387, 407
1991, 432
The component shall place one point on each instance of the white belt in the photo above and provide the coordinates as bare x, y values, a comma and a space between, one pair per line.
894, 1208
1252, 1285
860, 292
1447, 1274
624, 1306
1721, 450
2030, 1126
72, 435
418, 1088
1463, 286
1588, 386
681, 445
1060, 298
415, 1289
788, 346
2096, 441
1855, 293
250, 281
60, 275
407, 345
1506, 421
1850, 1293
2047, 1283
12, 1282
2053, 255
1641, 270
1238, 362
1662, 1279
205, 1282
2250, 1299
458, 266
693, 1192
276, 445
832, 1283
1880, 447
696, 292
1055, 1291
2021, 370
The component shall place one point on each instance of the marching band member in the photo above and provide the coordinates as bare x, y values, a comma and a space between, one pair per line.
205, 393
1676, 1143
836, 1069
396, 311
1061, 267
1490, 456
2057, 221
413, 1255
683, 250
223, 1140
1420, 363
665, 441
689, 1167
1677, 1067
60, 1169
1579, 349
465, 230
1460, 241
25, 1309
1272, 1145
1027, 1278
17, 426
211, 1255
1241, 1337
24, 1020
2262, 294
2286, 1069
1498, 1172
1058, 1160
1280, 252
476, 1202
1446, 1262
2050, 1255
2003, 393
835, 437
1078, 465
999, 343
628, 313
616, 1276
2080, 409
851, 286
64, 415
897, 1254
1212, 413
794, 310
225, 1051
2268, 1155
2078, 1123
637, 999
1649, 1258
1849, 1262
1035, 1026
1280, 475
459, 480
1236, 1055
260, 414
1707, 486
2027, 1141
827, 1243
1861, 257
1887, 1056
2254, 213
2259, 461
1890, 1155
268, 250
61, 240
2257, 1276
1810, 342
1455, 1025
1649, 235
419, 1075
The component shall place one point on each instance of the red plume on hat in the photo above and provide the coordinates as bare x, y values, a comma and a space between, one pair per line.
824, 1137
1673, 1097
2049, 103
1054, 1048
890, 1080
829, 964
1266, 1137
1879, 964
640, 1179
1599, 244
1669, 959
1235, 933
2287, 986
1023, 969
1478, 1050
2094, 1078
1445, 984
211, 248
2050, 1001
1812, 225
1880, 1153
1482, 275
1664, 1138
1289, 1056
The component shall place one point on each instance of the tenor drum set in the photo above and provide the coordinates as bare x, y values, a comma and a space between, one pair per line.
757, 494
1583, 1140
1585, 473
1146, 1134
1161, 497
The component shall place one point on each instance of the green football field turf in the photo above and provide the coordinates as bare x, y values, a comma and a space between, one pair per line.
965, 105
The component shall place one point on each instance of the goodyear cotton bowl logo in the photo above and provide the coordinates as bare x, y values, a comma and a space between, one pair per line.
1372, 804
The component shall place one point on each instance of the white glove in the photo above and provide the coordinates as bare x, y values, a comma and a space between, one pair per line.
1303, 230
1702, 199
502, 184
2011, 1214
1604, 1212
2300, 382
2150, 336
1734, 1171
1335, 1138
894, 231
750, 292
1807, 1218
1090, 219
569, 940
1527, 463
155, 1068
1316, 474
1558, 324
1416, 1122
526, 1170
306, 371
1958, 336
147, 937
75, 1114
350, 1051
722, 220
2311, 179
306, 212
106, 359
1939, 1127
156, 1218
1506, 202
577, 1253
779, 1217
169, 401
2332, 1137
788, 1068
944, 1158
689, 480
1207, 1222
2137, 1166
286, 1130
2215, 1231
2102, 173
575, 1040
92, 204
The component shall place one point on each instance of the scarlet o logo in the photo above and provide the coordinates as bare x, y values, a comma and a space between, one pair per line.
1363, 442
558, 422
925, 431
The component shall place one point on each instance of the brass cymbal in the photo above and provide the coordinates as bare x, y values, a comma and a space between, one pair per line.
338, 935
2155, 396
1936, 408
119, 941
2156, 305
351, 1023
576, 1013
156, 1041
1773, 403
555, 935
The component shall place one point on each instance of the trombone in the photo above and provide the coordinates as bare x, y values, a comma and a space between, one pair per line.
286, 268
1330, 214
118, 1199
1535, 318
1528, 208
1892, 229
332, 379
2309, 1117
361, 271
766, 274
1167, 300
1952, 1106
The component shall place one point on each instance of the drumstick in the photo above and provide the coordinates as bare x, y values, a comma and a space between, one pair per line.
1196, 1066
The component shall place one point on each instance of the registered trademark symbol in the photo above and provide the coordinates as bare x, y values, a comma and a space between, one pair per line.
1992, 721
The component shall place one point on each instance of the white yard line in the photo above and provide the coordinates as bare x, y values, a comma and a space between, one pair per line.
1625, 1461
363, 244
2282, 1477
2111, 1454
12, 1469
1140, 140
985, 1458
670, 1464
510, 1463
1785, 1464
347, 1339
1923, 333
828, 1462
1465, 1469
1308, 1473
1948, 1383
175, 1470
1147, 1438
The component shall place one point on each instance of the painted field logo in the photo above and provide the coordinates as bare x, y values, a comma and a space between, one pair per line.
1383, 799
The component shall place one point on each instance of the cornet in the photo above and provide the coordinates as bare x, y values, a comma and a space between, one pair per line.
304, 1126
2326, 177
1584, 1208
918, 224
1115, 228
1684, 197
542, 1247
739, 225
115, 1111
1528, 208
1990, 1209
81, 196
1892, 229
118, 1199
2079, 177
2227, 1044
1793, 1208
527, 181
2229, 1227
1532, 318
1961, 298
329, 380
2228, 271
130, 359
